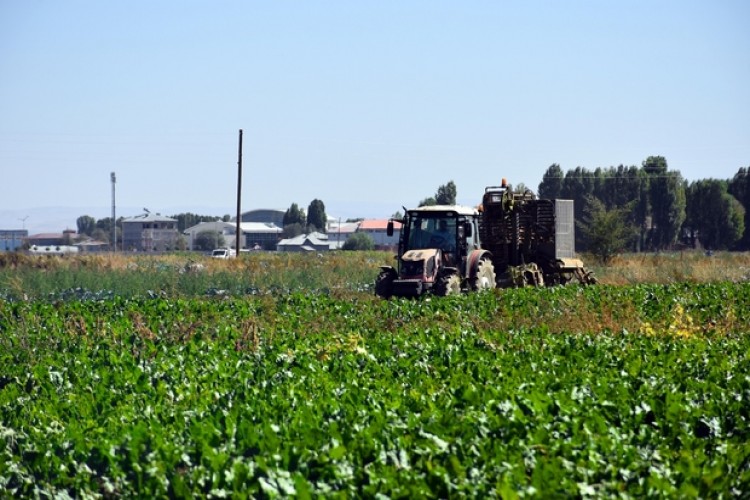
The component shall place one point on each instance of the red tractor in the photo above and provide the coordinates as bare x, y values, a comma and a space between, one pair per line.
438, 251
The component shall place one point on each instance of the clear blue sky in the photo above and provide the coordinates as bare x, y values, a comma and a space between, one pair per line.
367, 106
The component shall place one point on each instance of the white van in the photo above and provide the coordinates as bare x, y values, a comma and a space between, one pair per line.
223, 253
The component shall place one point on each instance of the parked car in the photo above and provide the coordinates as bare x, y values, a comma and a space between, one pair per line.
224, 253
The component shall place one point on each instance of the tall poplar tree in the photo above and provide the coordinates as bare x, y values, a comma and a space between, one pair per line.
446, 194
714, 216
552, 183
316, 216
739, 187
667, 197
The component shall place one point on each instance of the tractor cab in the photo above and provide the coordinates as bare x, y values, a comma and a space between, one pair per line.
436, 231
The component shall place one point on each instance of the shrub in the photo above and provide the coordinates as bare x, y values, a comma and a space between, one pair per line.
359, 241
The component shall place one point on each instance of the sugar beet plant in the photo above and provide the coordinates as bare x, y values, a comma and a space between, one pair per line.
607, 391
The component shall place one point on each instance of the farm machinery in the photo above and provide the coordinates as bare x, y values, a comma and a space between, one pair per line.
512, 239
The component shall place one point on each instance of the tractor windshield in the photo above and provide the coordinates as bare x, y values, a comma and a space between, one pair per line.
432, 231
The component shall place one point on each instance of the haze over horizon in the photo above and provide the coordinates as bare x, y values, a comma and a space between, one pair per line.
370, 105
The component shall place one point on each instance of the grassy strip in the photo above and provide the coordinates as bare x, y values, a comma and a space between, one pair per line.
343, 273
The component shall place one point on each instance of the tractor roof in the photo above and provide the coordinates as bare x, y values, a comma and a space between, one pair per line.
458, 209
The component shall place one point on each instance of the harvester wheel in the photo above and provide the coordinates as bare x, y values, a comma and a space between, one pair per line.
485, 277
384, 284
448, 285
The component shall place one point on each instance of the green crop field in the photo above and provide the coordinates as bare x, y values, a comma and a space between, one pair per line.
319, 389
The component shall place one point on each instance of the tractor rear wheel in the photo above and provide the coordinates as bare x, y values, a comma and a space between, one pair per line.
448, 285
485, 276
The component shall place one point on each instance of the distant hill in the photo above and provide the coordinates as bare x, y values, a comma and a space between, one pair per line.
48, 219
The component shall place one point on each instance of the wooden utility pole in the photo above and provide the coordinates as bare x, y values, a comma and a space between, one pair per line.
238, 232
113, 244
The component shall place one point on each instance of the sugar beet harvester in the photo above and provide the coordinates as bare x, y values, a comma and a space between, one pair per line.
511, 240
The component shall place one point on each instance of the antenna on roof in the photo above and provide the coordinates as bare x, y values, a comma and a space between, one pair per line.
146, 210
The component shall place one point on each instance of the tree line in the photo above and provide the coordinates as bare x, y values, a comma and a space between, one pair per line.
652, 208
297, 222
624, 208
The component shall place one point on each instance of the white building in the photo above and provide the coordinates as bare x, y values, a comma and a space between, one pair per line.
260, 235
255, 235
226, 229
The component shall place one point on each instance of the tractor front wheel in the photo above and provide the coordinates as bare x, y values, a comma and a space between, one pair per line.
384, 284
448, 285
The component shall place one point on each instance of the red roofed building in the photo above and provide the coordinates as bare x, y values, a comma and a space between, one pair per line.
67, 237
376, 229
